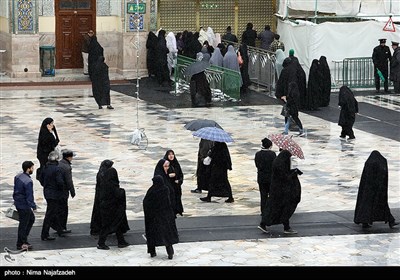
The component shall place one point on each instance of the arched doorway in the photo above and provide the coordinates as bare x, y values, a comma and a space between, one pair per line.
73, 19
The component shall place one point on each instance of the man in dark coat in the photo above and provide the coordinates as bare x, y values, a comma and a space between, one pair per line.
284, 194
266, 37
112, 206
159, 218
219, 182
263, 161
249, 36
228, 36
380, 57
348, 109
395, 67
372, 199
25, 203
53, 187
101, 84
66, 169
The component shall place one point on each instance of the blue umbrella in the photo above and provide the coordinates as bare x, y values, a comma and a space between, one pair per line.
214, 134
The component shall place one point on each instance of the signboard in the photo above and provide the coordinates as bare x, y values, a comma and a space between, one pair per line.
389, 26
133, 8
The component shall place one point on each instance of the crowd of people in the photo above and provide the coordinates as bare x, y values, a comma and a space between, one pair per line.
279, 185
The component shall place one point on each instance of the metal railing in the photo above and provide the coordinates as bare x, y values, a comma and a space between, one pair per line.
356, 72
223, 81
261, 65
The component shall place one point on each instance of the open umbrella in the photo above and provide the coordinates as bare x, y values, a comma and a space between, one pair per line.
286, 142
198, 66
214, 134
200, 123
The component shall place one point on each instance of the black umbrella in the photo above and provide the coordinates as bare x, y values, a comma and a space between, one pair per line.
198, 66
197, 124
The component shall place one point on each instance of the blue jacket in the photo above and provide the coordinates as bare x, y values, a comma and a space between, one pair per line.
23, 192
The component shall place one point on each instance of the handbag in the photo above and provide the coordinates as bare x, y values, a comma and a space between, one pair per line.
12, 213
285, 111
207, 160
240, 59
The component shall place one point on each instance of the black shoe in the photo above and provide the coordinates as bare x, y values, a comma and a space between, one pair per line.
205, 199
196, 191
25, 246
377, 91
62, 232
230, 200
393, 224
48, 238
153, 255
263, 228
170, 257
100, 107
110, 107
123, 244
103, 247
365, 225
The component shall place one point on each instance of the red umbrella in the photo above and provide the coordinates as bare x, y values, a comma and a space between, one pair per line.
286, 142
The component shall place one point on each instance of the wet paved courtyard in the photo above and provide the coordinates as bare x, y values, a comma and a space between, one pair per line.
332, 170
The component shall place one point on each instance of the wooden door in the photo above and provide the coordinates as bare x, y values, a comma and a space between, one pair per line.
73, 19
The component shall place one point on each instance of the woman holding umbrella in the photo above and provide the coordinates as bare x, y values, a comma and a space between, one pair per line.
199, 86
284, 194
220, 163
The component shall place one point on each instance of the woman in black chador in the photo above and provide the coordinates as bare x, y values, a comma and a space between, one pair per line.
325, 82
151, 45
111, 206
349, 108
48, 140
313, 96
161, 169
159, 218
175, 175
372, 199
95, 51
284, 193
101, 83
220, 164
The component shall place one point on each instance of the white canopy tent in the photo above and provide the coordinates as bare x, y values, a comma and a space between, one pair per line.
337, 40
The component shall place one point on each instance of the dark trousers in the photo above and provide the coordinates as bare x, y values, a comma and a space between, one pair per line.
378, 80
152, 249
347, 130
264, 188
52, 217
62, 217
103, 237
26, 220
286, 225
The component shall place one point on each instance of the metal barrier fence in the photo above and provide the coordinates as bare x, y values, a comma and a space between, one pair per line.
223, 82
261, 65
357, 72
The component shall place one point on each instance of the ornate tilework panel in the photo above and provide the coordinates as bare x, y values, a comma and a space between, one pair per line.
103, 7
153, 15
47, 8
25, 16
132, 20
